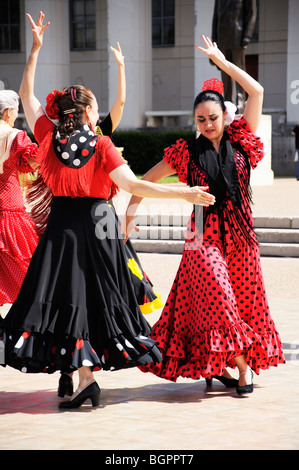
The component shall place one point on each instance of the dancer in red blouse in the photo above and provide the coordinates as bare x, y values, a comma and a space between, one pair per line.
77, 308
18, 238
217, 314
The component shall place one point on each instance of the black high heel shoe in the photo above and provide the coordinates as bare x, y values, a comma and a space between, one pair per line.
65, 385
92, 392
229, 383
241, 389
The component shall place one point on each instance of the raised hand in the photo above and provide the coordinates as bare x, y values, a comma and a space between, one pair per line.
38, 28
211, 50
120, 60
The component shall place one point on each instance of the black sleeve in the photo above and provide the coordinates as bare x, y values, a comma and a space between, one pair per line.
106, 126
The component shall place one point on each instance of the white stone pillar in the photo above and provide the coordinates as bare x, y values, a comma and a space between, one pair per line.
293, 63
263, 175
53, 67
129, 23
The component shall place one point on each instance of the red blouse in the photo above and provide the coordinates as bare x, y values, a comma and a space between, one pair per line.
91, 180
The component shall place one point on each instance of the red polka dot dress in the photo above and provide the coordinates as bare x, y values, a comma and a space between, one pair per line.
217, 308
18, 238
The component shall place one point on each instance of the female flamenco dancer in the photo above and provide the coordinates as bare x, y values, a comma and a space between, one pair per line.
18, 236
217, 315
77, 309
147, 299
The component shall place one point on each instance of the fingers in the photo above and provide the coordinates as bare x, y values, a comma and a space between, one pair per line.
31, 20
118, 54
208, 43
39, 22
202, 197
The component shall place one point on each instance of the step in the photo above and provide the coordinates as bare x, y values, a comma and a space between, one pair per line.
176, 247
288, 250
276, 222
179, 219
166, 232
272, 235
179, 233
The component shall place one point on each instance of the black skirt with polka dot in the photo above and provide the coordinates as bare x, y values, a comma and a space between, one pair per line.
78, 305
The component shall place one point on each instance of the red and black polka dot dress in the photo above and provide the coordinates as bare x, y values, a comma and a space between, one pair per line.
18, 238
217, 308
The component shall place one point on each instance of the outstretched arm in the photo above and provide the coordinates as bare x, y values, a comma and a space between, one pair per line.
146, 187
117, 109
32, 107
253, 107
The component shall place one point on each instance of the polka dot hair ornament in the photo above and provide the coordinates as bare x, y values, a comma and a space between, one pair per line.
216, 85
213, 84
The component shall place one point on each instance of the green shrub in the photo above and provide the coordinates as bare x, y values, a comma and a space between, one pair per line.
144, 148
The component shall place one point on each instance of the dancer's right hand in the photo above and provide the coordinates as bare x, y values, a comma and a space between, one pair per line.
38, 28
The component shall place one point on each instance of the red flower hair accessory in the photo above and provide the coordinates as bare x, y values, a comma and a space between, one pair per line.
52, 108
213, 84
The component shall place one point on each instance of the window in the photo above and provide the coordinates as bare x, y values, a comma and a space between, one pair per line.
10, 26
163, 23
83, 24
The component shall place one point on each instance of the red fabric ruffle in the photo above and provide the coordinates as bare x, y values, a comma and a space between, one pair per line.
239, 130
177, 156
211, 352
24, 149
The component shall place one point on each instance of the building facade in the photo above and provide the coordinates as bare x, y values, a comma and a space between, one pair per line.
164, 71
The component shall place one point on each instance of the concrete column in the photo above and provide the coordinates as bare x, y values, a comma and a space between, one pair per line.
53, 68
293, 63
129, 23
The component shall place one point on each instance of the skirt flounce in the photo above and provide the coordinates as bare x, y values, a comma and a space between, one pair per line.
210, 352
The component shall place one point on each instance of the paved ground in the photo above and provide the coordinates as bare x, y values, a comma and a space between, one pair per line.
140, 411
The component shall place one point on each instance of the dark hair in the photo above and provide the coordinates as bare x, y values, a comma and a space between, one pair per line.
71, 107
209, 95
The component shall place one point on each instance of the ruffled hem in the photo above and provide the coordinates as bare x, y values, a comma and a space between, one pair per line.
239, 131
35, 353
18, 236
69, 337
177, 156
211, 352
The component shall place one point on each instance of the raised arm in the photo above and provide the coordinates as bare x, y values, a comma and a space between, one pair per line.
32, 107
253, 107
117, 109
